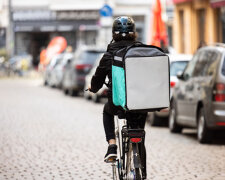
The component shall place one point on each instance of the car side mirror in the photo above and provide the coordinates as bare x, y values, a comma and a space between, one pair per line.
180, 75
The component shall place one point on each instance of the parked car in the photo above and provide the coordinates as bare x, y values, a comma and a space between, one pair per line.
177, 64
102, 92
198, 99
48, 80
75, 71
58, 70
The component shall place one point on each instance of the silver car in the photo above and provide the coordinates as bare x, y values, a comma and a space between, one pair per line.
75, 71
199, 98
50, 67
102, 92
58, 70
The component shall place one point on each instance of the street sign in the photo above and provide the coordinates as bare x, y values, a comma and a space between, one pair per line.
106, 11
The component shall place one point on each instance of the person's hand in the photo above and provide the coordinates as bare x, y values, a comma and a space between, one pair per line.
89, 88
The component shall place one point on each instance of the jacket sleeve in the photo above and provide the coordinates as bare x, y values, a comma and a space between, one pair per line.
98, 79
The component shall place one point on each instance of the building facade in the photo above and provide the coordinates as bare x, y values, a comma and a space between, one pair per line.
141, 13
35, 23
196, 22
3, 22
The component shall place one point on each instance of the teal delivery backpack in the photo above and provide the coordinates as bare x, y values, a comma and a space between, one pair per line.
140, 78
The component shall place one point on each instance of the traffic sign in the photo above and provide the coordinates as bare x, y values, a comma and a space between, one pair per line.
106, 11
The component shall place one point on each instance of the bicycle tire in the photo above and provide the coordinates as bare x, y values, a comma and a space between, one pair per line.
138, 174
131, 171
138, 171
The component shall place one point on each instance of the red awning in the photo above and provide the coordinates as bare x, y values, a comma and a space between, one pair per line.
180, 1
217, 3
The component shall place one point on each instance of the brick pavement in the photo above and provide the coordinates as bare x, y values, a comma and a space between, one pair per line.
46, 135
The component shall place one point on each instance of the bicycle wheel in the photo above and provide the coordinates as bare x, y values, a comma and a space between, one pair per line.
138, 174
133, 162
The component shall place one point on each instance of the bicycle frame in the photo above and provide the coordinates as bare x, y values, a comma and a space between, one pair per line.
129, 141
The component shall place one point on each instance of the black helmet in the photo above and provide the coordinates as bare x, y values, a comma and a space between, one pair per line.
123, 24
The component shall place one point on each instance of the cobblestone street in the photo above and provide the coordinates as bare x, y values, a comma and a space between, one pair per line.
47, 135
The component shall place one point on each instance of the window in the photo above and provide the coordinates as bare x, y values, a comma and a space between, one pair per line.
177, 66
223, 67
181, 27
214, 60
201, 14
88, 57
201, 64
190, 67
207, 63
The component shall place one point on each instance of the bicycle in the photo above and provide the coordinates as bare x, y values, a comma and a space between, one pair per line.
130, 161
132, 155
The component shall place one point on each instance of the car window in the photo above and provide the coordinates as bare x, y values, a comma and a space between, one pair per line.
214, 60
223, 67
88, 57
53, 61
98, 60
58, 60
190, 66
201, 63
177, 66
207, 63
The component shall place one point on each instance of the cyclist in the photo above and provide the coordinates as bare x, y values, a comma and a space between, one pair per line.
124, 34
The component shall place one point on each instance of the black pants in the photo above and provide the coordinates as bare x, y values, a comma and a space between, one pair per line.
134, 119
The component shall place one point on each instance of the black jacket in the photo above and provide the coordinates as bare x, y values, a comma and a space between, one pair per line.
105, 66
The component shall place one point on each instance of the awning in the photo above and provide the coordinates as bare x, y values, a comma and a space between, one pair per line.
217, 3
180, 1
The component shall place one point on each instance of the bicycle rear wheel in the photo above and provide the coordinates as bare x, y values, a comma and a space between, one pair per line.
138, 174
133, 168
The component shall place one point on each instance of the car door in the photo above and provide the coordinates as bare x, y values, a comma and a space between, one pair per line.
184, 93
196, 92
208, 80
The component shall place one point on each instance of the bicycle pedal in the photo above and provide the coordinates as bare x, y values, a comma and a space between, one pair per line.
110, 160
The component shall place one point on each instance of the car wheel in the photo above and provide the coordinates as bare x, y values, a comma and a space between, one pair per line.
73, 92
45, 83
155, 120
65, 91
173, 126
87, 96
204, 134
96, 98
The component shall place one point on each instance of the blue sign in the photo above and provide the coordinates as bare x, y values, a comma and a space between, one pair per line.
106, 11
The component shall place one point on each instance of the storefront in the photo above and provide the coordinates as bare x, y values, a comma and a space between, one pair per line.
195, 23
35, 28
